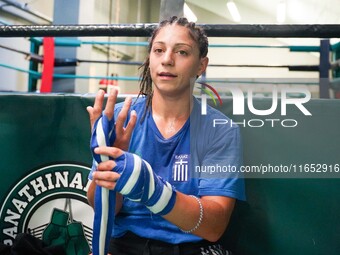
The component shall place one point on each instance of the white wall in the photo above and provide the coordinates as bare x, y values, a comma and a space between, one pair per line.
123, 12
13, 80
147, 11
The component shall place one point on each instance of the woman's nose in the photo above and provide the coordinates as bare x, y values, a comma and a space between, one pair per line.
168, 58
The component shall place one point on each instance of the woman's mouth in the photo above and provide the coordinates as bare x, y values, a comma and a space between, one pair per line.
167, 75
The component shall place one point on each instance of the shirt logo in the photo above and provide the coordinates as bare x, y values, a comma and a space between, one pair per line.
180, 170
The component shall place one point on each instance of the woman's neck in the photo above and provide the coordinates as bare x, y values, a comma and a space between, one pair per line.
170, 107
170, 114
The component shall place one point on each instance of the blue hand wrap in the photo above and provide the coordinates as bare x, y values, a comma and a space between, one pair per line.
139, 183
104, 202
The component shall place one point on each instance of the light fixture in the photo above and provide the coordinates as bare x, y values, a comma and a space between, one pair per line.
189, 14
233, 11
281, 11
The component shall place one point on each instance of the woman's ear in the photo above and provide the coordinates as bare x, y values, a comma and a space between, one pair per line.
203, 65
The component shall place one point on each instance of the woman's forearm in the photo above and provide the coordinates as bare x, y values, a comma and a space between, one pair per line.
215, 216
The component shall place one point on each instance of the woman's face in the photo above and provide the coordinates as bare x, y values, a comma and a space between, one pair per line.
174, 61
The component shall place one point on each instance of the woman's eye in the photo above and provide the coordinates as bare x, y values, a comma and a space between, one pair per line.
182, 52
158, 50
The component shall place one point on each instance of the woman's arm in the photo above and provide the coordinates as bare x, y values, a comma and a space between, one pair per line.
215, 218
185, 211
123, 134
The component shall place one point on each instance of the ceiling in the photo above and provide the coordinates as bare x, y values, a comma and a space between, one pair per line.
251, 11
264, 11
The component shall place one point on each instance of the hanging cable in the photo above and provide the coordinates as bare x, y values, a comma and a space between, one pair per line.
109, 41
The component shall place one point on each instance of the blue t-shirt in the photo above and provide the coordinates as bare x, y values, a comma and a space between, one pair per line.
195, 161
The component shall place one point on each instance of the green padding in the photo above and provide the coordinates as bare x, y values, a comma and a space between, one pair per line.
281, 216
304, 48
36, 130
290, 215
59, 42
336, 46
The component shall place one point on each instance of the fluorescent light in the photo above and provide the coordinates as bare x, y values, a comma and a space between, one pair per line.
233, 11
189, 14
281, 11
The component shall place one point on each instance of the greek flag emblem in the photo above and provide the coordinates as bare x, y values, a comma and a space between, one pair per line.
180, 168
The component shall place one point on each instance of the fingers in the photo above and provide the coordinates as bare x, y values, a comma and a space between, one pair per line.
104, 176
131, 125
113, 152
122, 116
106, 165
95, 111
106, 179
98, 102
124, 134
89, 109
108, 176
110, 104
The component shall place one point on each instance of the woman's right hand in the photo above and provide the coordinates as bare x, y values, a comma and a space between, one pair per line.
123, 134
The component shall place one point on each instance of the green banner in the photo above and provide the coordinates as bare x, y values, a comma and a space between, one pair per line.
45, 160
44, 167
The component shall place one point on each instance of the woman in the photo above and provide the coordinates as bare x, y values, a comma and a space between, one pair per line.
175, 144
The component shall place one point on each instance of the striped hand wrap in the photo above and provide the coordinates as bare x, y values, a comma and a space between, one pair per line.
104, 202
139, 183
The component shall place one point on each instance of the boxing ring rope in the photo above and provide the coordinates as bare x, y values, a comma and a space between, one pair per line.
140, 30
75, 61
37, 75
78, 43
213, 30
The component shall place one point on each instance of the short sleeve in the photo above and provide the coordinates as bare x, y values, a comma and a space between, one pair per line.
219, 172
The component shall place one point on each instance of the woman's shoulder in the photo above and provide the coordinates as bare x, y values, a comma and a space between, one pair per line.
206, 114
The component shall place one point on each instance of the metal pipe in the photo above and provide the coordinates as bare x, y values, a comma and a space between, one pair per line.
20, 15
24, 8
4, 23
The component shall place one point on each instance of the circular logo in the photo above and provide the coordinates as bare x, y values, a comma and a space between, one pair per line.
43, 197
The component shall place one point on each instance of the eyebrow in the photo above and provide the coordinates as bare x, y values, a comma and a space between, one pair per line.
176, 45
